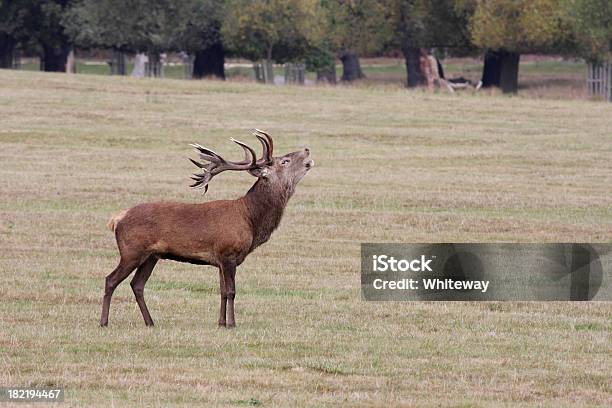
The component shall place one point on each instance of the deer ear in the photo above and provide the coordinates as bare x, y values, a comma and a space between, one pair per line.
260, 172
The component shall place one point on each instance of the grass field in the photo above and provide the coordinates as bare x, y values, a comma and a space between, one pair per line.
391, 166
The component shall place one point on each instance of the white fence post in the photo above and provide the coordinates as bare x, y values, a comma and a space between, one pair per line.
599, 80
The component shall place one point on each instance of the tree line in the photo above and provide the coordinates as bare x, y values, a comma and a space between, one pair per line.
315, 32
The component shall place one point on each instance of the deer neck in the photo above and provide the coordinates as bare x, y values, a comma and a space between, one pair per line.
265, 205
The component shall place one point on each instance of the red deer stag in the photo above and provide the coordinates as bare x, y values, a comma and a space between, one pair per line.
219, 233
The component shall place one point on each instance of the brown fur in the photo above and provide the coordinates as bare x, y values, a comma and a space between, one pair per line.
219, 233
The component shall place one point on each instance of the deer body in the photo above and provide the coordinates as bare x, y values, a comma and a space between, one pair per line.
218, 233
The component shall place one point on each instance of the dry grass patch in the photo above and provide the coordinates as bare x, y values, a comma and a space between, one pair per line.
392, 165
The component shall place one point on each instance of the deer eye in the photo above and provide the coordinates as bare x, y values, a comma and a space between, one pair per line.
285, 161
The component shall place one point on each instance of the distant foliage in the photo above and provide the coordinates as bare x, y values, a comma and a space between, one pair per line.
591, 22
34, 23
429, 23
143, 25
319, 57
279, 30
517, 25
358, 26
316, 32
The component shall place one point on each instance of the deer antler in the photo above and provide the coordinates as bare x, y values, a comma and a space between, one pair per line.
268, 146
217, 164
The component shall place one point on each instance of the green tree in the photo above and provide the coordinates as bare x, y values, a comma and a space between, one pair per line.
124, 25
152, 26
274, 30
591, 26
353, 28
35, 26
11, 23
200, 34
507, 28
48, 31
422, 24
320, 58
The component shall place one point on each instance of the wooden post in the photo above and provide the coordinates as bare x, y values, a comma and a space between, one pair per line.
117, 63
155, 67
268, 70
257, 71
71, 63
294, 73
188, 60
599, 80
608, 74
16, 59
264, 71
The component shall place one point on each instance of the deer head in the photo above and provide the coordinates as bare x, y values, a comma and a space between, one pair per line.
282, 172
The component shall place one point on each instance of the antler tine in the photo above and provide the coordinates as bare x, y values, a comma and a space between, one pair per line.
268, 144
205, 153
217, 164
266, 159
247, 150
200, 165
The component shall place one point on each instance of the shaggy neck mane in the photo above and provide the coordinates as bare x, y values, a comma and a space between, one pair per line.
265, 204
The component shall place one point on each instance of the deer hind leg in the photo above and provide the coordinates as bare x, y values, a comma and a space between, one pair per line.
138, 283
223, 294
113, 280
229, 274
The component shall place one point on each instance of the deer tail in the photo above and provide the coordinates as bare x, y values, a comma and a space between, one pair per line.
114, 220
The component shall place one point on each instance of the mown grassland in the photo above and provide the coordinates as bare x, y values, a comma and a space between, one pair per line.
391, 166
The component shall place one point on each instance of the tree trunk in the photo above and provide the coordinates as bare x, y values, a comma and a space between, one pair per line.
154, 67
491, 71
501, 70
209, 62
509, 72
54, 58
351, 68
71, 63
414, 75
117, 63
7, 48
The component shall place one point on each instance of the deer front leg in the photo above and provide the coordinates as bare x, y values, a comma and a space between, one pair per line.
229, 274
113, 280
223, 294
